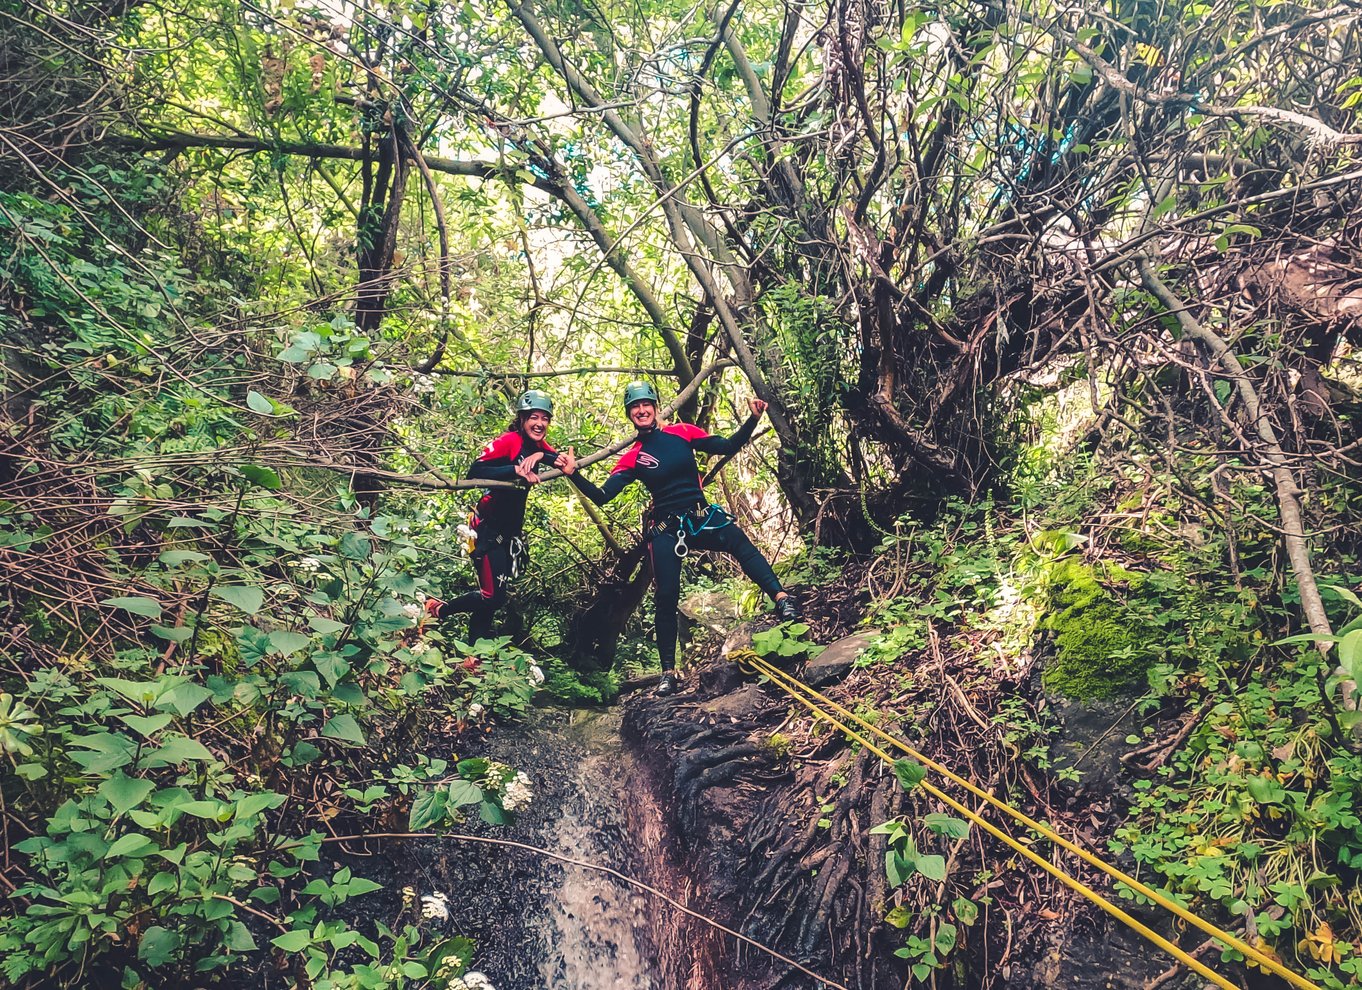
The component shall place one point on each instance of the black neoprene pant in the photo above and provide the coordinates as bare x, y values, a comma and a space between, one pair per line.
493, 568
667, 576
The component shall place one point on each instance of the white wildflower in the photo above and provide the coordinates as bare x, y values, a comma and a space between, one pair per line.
536, 674
518, 793
309, 564
435, 906
419, 647
471, 981
412, 610
475, 709
422, 384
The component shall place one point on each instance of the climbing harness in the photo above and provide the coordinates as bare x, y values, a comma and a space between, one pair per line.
517, 556
820, 705
690, 524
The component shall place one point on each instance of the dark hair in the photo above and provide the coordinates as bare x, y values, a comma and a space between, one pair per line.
518, 420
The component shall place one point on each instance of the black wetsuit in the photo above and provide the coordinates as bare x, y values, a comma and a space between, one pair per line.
664, 460
499, 521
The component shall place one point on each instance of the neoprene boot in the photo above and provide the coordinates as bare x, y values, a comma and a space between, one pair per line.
667, 685
787, 609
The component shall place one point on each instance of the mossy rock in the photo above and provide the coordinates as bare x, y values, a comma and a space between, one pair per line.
1099, 652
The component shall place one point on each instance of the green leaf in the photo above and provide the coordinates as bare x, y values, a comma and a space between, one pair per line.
133, 844
345, 728
898, 867
331, 667
1345, 593
910, 773
355, 546
184, 698
286, 642
294, 941
253, 804
324, 625
965, 910
238, 938
146, 725
137, 605
262, 477
1350, 649
157, 945
174, 558
211, 810
932, 867
945, 937
258, 403
427, 809
125, 793
178, 634
900, 917
244, 597
464, 792
176, 750
102, 752
493, 814
1265, 790
946, 825
162, 882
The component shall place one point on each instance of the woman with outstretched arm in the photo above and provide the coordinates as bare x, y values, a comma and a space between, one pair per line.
682, 519
499, 520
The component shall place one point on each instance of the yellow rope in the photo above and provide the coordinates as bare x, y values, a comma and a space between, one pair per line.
786, 681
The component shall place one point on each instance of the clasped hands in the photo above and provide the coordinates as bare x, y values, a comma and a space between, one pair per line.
565, 461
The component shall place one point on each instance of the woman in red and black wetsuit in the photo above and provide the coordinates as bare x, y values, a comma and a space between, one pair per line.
500, 516
663, 458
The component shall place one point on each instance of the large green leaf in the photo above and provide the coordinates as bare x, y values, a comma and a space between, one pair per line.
157, 945
344, 728
243, 596
910, 773
137, 605
125, 793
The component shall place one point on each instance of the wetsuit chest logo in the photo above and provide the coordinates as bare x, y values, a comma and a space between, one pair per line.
646, 460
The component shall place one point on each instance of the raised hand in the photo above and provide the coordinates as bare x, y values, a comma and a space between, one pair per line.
567, 462
757, 406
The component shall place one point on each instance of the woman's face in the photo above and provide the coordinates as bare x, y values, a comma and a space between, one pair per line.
536, 425
643, 414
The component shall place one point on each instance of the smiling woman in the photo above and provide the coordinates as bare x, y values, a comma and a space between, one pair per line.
498, 521
681, 518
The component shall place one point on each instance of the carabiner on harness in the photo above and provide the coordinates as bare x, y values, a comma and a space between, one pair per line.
686, 525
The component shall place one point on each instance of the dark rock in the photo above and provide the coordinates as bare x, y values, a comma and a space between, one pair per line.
1091, 739
836, 661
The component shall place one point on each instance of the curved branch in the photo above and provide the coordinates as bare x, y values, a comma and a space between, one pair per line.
313, 460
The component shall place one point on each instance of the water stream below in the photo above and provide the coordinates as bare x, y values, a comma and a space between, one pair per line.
538, 922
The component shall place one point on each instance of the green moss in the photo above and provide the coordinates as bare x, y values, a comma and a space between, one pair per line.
1098, 651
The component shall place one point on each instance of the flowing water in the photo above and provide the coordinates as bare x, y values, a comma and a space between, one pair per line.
541, 923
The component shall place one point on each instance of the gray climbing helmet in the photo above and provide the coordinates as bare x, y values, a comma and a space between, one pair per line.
533, 400
639, 392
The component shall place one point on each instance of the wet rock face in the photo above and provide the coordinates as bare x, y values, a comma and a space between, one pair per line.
764, 856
